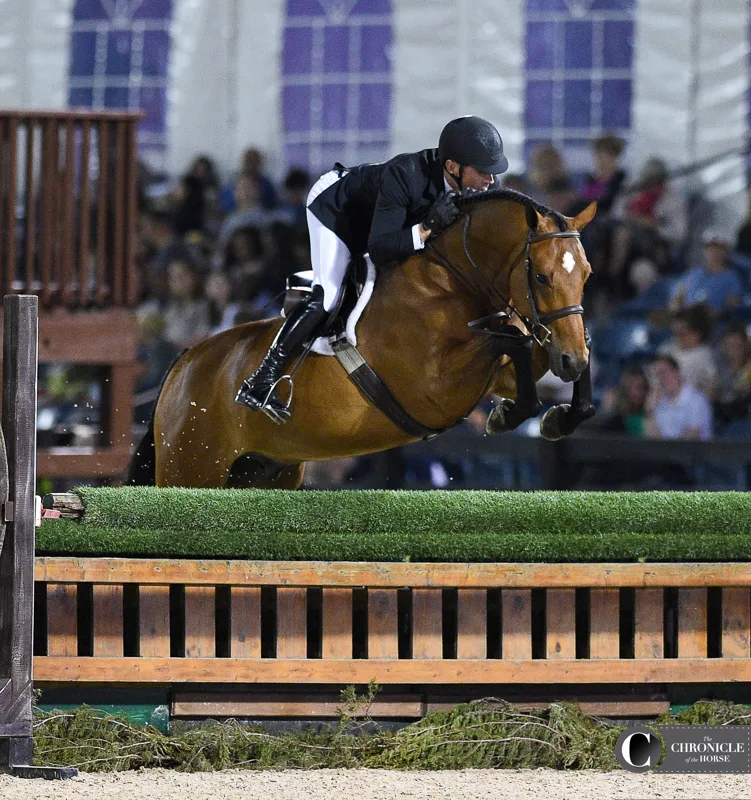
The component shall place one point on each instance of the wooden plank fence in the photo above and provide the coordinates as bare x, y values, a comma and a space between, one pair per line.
177, 622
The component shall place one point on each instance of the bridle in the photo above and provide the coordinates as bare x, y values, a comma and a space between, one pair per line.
537, 325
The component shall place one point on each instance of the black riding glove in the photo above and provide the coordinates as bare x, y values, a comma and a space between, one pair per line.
441, 214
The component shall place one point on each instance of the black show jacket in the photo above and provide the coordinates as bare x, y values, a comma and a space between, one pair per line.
373, 208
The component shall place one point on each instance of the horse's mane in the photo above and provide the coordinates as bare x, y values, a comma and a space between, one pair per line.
503, 193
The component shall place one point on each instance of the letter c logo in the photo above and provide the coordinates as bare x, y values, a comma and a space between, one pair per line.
626, 750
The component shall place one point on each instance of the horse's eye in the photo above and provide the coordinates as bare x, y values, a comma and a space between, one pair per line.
542, 279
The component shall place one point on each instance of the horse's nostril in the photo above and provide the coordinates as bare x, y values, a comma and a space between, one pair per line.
566, 361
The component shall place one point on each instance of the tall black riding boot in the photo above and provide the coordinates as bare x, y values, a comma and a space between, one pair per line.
259, 391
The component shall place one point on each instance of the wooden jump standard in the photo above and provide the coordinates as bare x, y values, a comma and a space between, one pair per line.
17, 523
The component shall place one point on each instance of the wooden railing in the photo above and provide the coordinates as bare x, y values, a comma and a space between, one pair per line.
233, 623
68, 207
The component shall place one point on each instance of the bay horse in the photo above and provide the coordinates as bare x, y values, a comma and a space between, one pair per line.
508, 257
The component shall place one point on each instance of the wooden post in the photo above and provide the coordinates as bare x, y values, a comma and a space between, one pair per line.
17, 555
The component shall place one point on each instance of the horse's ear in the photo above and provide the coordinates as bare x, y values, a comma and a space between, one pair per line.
533, 218
583, 219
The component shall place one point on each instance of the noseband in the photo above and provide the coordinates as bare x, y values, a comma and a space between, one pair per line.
537, 325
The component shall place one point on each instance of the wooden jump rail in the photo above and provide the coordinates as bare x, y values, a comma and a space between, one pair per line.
68, 216
241, 623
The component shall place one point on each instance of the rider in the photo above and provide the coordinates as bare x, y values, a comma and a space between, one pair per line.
387, 210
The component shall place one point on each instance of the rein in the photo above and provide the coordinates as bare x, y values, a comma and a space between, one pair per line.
538, 324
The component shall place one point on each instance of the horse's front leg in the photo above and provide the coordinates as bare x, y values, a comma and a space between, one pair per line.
564, 419
509, 414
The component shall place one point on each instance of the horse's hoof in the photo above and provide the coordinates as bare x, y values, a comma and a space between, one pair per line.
553, 424
496, 421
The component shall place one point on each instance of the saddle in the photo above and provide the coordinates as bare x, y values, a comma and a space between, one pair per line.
300, 284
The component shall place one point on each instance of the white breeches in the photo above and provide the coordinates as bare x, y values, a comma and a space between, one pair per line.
328, 253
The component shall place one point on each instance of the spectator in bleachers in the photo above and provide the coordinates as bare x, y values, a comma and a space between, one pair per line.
653, 225
222, 309
546, 164
606, 183
678, 410
689, 346
562, 197
250, 211
187, 311
295, 195
247, 267
190, 207
624, 409
205, 172
252, 164
713, 283
734, 370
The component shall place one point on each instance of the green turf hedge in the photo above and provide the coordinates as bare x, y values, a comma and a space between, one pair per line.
407, 526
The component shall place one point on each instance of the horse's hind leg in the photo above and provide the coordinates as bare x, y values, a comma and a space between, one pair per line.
254, 471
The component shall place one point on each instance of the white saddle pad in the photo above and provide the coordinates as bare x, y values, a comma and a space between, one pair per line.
322, 346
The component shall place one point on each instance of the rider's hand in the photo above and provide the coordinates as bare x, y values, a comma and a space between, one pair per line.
441, 214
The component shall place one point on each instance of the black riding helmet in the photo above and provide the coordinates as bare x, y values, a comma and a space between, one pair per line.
473, 142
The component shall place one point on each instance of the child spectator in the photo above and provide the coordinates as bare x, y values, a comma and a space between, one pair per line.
679, 411
624, 410
713, 283
607, 181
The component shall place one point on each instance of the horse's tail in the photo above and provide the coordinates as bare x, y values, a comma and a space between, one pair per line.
142, 467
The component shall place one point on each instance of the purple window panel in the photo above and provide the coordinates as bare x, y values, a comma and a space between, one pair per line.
375, 99
304, 8
374, 54
616, 104
619, 45
155, 53
577, 104
539, 110
83, 52
89, 9
336, 49
577, 45
118, 52
372, 7
153, 100
296, 107
547, 5
116, 97
613, 5
298, 49
298, 155
81, 98
541, 37
153, 9
335, 107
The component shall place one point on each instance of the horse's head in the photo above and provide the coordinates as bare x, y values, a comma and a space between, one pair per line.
548, 288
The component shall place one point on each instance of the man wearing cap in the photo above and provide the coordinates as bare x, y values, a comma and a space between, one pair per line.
713, 283
387, 210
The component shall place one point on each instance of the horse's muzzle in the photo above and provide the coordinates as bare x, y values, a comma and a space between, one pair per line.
568, 366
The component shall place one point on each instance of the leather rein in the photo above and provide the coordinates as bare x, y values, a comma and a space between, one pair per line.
537, 325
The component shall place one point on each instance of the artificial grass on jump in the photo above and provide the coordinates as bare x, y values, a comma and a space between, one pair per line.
462, 526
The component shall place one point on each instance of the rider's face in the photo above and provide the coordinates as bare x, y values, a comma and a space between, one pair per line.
471, 177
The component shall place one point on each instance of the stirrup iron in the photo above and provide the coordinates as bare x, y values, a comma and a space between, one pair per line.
283, 414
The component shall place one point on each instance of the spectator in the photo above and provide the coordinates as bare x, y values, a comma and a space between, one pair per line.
679, 411
222, 312
624, 410
608, 178
545, 165
653, 226
734, 370
190, 207
562, 197
296, 187
713, 283
252, 164
250, 211
245, 264
187, 312
204, 171
689, 347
